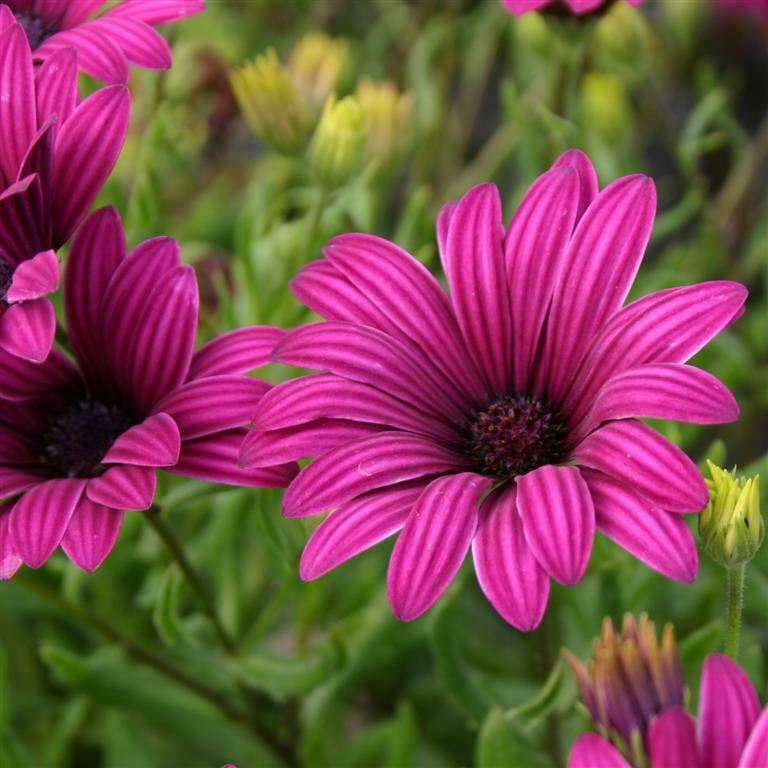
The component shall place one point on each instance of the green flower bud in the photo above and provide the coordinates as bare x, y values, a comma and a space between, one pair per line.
605, 105
387, 119
339, 142
268, 98
731, 527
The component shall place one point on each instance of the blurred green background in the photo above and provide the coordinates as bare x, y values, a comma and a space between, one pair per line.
120, 669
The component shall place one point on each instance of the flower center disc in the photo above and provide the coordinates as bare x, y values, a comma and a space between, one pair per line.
78, 439
34, 28
515, 435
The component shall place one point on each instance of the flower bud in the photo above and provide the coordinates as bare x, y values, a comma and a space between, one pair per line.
605, 105
387, 119
632, 678
270, 102
339, 142
315, 66
731, 527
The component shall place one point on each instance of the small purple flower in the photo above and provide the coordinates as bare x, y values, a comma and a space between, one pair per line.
55, 155
567, 7
106, 44
80, 446
730, 731
505, 418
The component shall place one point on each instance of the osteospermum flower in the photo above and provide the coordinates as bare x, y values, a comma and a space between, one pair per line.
55, 155
504, 418
78, 446
106, 42
730, 731
567, 7
755, 8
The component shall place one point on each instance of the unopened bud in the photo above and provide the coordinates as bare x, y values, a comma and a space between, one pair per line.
315, 65
271, 105
387, 119
731, 526
339, 142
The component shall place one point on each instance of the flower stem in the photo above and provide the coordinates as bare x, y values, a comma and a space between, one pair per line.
735, 606
192, 576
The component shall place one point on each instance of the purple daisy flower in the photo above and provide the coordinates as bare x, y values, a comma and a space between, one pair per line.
55, 155
504, 418
731, 732
108, 42
78, 447
568, 7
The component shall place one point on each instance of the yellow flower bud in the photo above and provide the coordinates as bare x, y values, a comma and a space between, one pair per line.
605, 104
339, 142
270, 102
731, 526
387, 118
315, 65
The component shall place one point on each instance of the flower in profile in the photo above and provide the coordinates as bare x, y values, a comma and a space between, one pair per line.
55, 155
505, 418
634, 683
564, 7
79, 445
339, 142
106, 43
387, 114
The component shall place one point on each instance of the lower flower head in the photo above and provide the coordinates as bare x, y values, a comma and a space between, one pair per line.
503, 418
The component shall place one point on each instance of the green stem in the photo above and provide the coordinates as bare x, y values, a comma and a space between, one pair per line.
192, 576
735, 606
551, 646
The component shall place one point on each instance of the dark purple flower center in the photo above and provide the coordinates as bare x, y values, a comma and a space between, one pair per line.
515, 435
6, 278
36, 30
79, 437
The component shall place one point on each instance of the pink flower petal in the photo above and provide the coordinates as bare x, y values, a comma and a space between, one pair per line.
665, 327
322, 288
588, 187
90, 141
17, 100
141, 44
633, 453
6, 18
24, 221
756, 750
367, 355
672, 740
35, 278
534, 247
97, 55
16, 479
91, 534
728, 710
599, 268
153, 443
77, 11
299, 401
659, 539
358, 525
663, 391
10, 562
22, 380
478, 284
153, 12
265, 449
40, 518
164, 340
592, 751
96, 251
508, 573
444, 219
236, 352
27, 330
434, 543
520, 7
57, 86
124, 486
397, 285
559, 520
214, 458
213, 404
364, 465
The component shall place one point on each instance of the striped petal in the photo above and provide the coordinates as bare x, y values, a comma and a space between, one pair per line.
124, 486
508, 573
27, 330
672, 740
10, 562
97, 55
592, 751
434, 543
357, 526
153, 443
35, 278
236, 352
756, 749
57, 86
588, 187
634, 454
91, 534
559, 520
364, 465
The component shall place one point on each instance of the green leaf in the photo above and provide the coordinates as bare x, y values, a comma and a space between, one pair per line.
501, 744
166, 616
545, 701
404, 738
